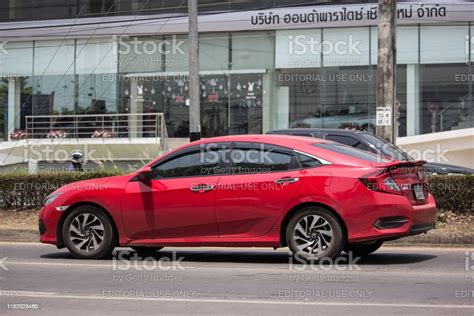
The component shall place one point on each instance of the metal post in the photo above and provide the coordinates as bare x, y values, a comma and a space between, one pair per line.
194, 107
386, 68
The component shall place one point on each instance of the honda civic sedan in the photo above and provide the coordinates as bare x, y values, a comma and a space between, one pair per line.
315, 196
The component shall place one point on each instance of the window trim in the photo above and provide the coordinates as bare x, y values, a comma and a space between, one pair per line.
323, 162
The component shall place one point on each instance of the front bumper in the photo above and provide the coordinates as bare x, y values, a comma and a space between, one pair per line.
48, 223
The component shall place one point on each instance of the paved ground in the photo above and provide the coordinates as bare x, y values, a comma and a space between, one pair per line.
409, 281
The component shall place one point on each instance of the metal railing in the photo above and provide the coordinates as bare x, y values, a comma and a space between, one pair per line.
137, 125
455, 111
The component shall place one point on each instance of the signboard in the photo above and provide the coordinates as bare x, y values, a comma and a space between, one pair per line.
384, 116
309, 17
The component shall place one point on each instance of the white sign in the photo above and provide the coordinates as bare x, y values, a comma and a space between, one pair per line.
384, 116
309, 17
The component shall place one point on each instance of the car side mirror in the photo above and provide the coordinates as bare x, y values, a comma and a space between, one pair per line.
145, 174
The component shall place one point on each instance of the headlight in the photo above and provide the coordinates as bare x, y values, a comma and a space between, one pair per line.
50, 198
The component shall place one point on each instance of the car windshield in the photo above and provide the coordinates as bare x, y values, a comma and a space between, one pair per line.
351, 151
387, 149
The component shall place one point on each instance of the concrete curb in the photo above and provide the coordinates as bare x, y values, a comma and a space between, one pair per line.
20, 235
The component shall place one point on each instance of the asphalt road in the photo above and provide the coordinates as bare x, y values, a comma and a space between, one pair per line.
39, 279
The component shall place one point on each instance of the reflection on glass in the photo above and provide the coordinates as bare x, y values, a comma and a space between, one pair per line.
246, 100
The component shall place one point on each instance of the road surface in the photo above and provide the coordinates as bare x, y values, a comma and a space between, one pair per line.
38, 279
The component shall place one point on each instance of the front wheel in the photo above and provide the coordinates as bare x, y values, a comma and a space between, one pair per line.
363, 249
88, 233
314, 233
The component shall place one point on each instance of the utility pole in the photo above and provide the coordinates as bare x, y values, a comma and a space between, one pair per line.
386, 70
194, 108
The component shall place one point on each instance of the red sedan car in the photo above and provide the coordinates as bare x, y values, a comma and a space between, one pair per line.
317, 197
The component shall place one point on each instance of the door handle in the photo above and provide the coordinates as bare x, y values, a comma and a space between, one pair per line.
286, 180
201, 188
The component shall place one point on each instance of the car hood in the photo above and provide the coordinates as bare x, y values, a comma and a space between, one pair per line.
89, 184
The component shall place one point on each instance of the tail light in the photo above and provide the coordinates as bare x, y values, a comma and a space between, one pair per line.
381, 182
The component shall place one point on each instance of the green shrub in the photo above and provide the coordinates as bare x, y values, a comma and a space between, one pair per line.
27, 191
453, 193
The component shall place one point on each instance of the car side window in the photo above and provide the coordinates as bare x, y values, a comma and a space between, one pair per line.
308, 161
347, 140
261, 159
196, 163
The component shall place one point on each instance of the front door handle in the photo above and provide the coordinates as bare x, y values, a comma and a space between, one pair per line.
286, 180
201, 188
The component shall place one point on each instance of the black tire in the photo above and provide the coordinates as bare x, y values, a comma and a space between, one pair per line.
146, 250
363, 249
332, 251
72, 240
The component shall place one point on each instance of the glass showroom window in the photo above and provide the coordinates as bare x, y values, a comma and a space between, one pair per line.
53, 83
327, 84
96, 65
16, 69
214, 89
446, 90
252, 64
3, 109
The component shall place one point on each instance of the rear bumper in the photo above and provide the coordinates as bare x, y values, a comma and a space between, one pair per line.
421, 228
394, 221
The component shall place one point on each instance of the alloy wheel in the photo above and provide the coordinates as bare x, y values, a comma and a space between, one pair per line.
313, 235
86, 232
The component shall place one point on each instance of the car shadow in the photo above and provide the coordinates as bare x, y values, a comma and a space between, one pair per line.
247, 257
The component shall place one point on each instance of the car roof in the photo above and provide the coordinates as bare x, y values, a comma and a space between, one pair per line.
265, 138
313, 130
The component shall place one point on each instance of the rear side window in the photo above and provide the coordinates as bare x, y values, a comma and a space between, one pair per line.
247, 161
307, 161
351, 152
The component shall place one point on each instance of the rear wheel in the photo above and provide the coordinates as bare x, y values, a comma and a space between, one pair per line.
363, 249
146, 250
88, 233
314, 233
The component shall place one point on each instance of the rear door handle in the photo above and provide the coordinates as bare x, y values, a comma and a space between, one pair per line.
201, 188
286, 180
